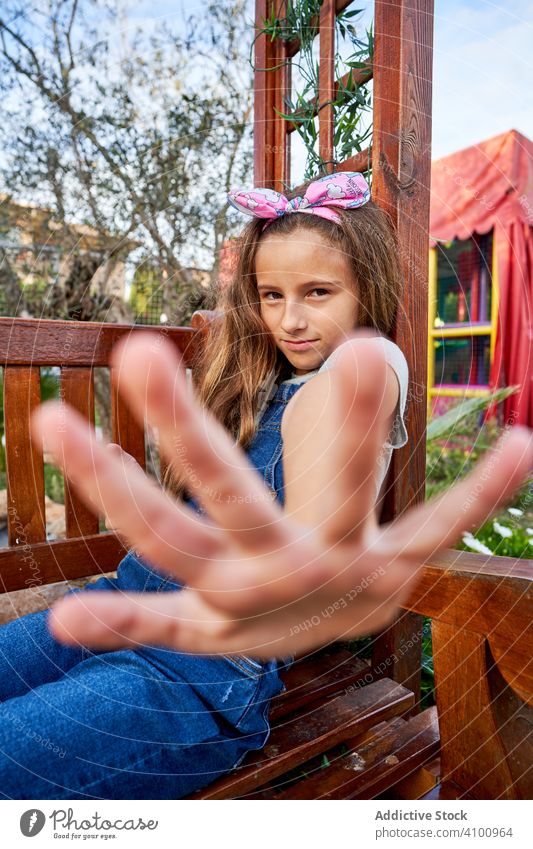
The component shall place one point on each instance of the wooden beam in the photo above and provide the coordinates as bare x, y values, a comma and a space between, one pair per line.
401, 186
326, 84
73, 343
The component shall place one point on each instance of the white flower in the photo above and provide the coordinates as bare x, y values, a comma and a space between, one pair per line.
502, 530
514, 511
474, 544
529, 531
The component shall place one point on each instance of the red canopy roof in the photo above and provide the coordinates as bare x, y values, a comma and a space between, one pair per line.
486, 186
474, 188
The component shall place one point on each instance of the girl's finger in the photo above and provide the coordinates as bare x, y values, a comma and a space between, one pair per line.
179, 620
439, 523
218, 473
358, 382
168, 534
118, 452
185, 622
115, 449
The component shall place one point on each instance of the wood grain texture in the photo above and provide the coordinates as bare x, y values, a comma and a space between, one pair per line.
280, 81
329, 724
125, 428
24, 461
318, 676
401, 182
371, 767
326, 84
75, 343
472, 751
264, 82
60, 560
358, 162
77, 390
401, 186
491, 597
260, 48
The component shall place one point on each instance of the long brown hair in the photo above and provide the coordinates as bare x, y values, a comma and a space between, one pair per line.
239, 352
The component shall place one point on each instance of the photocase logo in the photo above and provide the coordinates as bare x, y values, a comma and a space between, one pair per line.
32, 822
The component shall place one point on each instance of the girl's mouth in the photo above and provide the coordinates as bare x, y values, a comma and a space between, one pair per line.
300, 345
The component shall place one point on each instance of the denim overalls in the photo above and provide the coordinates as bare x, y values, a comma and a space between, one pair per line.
144, 723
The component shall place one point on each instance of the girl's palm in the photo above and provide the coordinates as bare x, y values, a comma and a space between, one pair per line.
257, 582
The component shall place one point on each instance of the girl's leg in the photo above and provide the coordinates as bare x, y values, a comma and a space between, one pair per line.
146, 723
29, 654
117, 727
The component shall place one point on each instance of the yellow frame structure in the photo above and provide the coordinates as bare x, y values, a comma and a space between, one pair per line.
451, 332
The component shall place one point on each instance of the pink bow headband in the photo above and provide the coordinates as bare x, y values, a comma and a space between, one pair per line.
345, 190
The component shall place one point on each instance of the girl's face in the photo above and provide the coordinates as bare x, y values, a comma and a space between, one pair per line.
307, 296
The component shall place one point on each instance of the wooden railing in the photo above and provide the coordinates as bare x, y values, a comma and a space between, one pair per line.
77, 349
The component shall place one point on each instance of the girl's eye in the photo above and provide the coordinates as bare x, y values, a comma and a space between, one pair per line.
274, 296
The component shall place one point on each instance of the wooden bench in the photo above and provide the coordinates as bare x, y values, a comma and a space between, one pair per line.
343, 728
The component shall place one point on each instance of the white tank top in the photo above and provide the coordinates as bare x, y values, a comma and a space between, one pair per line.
397, 436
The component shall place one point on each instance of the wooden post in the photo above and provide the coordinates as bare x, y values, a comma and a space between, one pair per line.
401, 185
271, 137
326, 83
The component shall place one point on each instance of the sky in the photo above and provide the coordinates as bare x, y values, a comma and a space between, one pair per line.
482, 70
482, 74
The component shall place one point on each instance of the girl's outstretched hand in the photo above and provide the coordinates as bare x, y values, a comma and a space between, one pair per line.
254, 576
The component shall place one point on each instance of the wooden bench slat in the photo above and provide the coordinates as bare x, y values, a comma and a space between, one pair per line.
322, 674
77, 389
299, 739
60, 560
24, 461
386, 732
62, 343
372, 768
126, 430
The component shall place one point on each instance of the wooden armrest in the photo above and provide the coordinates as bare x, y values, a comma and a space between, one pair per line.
492, 597
472, 590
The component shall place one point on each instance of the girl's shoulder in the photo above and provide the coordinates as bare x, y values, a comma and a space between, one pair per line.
395, 358
393, 355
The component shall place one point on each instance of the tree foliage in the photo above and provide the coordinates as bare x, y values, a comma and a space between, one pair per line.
133, 129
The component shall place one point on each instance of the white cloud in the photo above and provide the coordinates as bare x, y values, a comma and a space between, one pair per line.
482, 82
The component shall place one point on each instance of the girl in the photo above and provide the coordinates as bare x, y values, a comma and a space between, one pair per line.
127, 718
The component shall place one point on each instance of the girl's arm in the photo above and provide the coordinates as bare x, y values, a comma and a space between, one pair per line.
308, 427
253, 574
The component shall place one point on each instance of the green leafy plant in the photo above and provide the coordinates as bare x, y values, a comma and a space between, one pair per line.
441, 426
427, 677
455, 443
54, 484
352, 99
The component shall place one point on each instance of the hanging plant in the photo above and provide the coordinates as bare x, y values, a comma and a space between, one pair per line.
352, 99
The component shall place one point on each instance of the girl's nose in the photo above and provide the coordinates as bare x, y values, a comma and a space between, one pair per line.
293, 317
